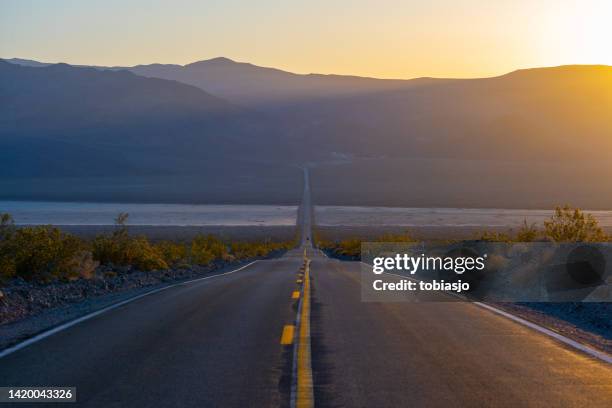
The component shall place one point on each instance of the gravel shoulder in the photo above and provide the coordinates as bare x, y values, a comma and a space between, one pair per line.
27, 309
585, 322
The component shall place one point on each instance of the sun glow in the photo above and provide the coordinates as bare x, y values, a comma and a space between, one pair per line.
396, 39
578, 33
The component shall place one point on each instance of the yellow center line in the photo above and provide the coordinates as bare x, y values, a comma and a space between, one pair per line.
304, 394
295, 295
287, 336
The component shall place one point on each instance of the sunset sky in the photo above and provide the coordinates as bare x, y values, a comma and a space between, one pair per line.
384, 38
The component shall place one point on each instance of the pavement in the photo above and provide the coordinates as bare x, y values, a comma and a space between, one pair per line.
219, 343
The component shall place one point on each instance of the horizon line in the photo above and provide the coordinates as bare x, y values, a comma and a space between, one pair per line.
297, 73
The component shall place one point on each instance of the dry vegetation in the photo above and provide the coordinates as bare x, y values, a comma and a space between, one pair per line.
351, 248
45, 253
567, 224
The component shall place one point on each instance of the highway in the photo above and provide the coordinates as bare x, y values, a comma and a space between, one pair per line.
217, 343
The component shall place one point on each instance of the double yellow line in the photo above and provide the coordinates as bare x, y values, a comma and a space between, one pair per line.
301, 388
304, 392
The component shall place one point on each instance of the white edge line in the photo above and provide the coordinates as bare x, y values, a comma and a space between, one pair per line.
603, 356
566, 340
76, 321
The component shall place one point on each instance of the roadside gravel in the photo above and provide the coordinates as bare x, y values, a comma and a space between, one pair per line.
27, 308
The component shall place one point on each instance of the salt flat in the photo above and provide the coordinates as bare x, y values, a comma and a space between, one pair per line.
354, 216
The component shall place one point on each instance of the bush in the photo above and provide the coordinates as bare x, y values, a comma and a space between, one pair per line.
7, 264
492, 236
42, 253
173, 253
121, 249
242, 250
527, 233
351, 248
45, 253
207, 248
572, 225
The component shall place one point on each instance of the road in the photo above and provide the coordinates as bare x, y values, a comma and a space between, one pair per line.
216, 343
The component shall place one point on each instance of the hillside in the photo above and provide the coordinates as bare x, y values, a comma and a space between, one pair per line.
255, 86
550, 113
530, 138
260, 87
73, 123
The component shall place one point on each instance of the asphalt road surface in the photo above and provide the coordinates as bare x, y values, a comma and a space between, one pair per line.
213, 343
216, 343
437, 354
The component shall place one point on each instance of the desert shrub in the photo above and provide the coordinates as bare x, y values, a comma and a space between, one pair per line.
7, 263
493, 236
573, 225
7, 226
351, 248
144, 256
42, 253
84, 265
206, 248
243, 250
137, 252
395, 238
321, 242
527, 232
173, 253
120, 248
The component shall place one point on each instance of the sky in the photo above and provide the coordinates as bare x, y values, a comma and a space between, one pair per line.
384, 38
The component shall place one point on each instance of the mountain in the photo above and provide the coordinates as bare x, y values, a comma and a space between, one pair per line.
62, 121
560, 113
27, 62
250, 85
530, 138
260, 87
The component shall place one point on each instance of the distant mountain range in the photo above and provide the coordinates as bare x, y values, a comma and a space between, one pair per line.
253, 86
216, 116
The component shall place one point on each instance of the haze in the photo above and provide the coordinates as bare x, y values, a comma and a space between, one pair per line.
387, 39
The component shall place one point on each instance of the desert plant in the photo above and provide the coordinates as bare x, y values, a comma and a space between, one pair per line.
7, 264
493, 236
121, 249
206, 248
7, 226
43, 253
573, 225
527, 232
173, 253
84, 265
